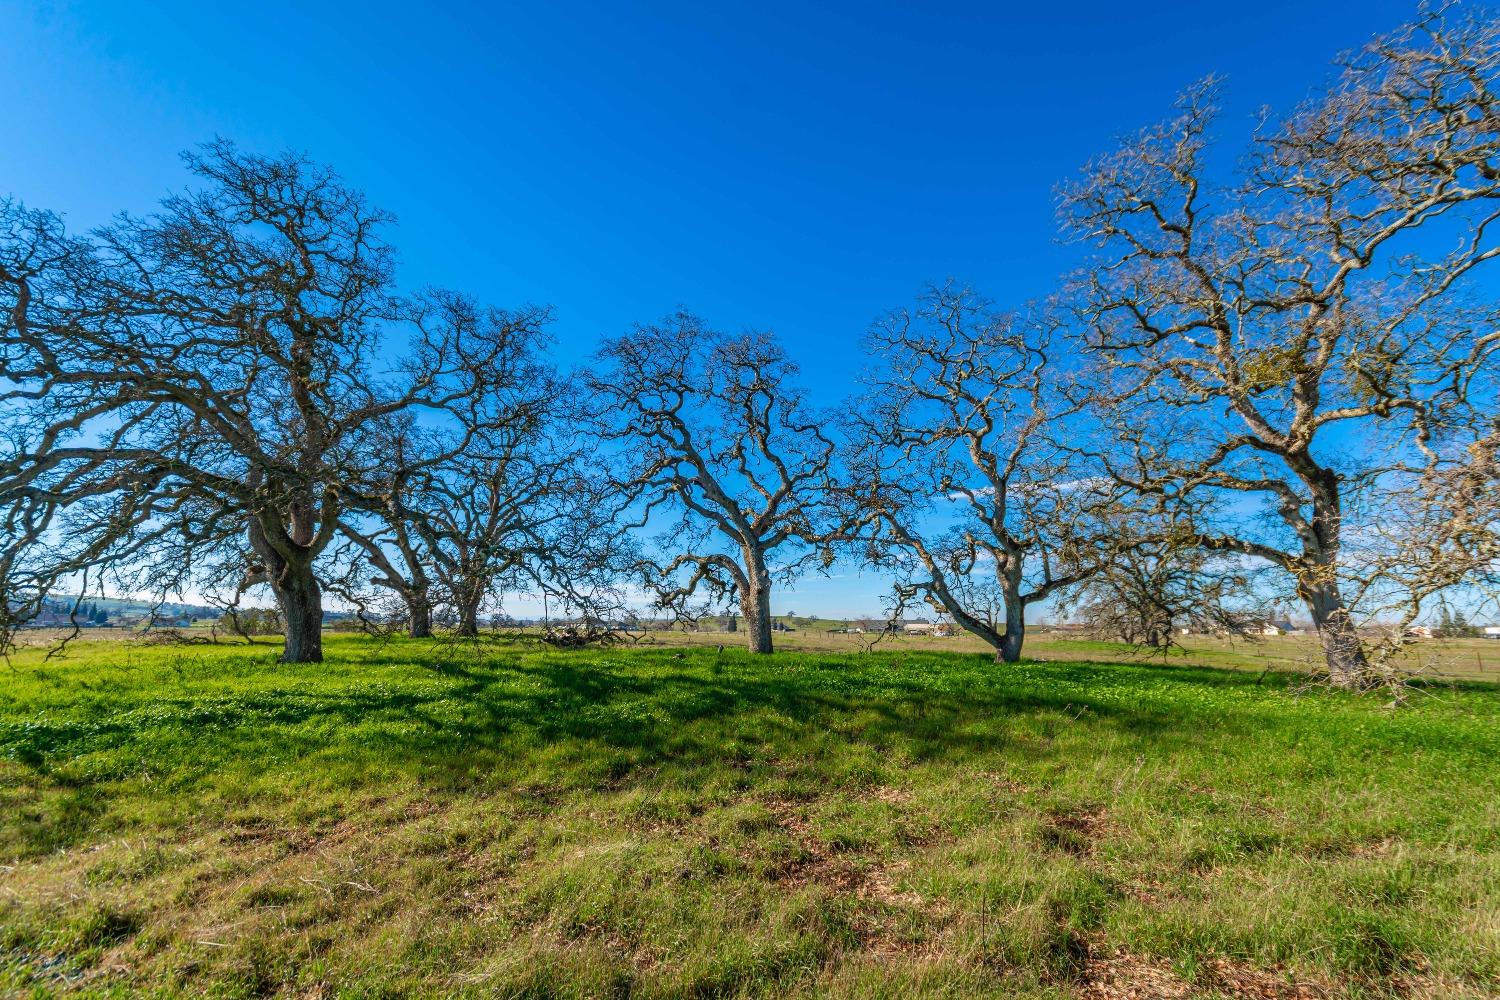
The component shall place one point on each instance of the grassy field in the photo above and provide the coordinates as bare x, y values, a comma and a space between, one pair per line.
1453, 659
1447, 659
418, 818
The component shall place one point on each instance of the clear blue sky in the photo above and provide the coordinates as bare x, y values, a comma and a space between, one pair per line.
765, 165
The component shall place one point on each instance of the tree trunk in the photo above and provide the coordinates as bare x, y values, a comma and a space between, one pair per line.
301, 602
755, 602
466, 588
1318, 584
1007, 645
418, 615
298, 595
1342, 653
468, 619
1009, 650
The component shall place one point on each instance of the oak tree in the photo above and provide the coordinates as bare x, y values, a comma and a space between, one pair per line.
193, 394
717, 445
960, 480
1301, 333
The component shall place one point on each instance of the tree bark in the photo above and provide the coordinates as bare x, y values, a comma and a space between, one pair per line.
467, 587
755, 602
298, 594
1318, 581
418, 615
301, 601
1009, 649
468, 619
1342, 653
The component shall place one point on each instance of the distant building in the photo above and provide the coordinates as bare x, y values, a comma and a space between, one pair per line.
1490, 632
163, 620
939, 629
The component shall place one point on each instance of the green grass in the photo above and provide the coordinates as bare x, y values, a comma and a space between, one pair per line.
420, 818
1424, 660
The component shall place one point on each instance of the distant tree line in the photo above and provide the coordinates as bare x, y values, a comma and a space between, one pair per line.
1454, 625
1273, 379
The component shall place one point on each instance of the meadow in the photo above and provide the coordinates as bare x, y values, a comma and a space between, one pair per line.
444, 819
1436, 659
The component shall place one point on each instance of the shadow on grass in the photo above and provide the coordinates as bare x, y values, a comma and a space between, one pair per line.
438, 717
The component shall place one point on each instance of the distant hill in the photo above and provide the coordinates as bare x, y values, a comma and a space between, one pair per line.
113, 608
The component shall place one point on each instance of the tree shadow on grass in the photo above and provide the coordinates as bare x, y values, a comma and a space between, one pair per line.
658, 707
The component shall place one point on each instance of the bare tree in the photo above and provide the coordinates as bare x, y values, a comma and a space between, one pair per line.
516, 510
965, 494
511, 521
1299, 335
452, 508
381, 534
1436, 541
712, 434
200, 386
1148, 592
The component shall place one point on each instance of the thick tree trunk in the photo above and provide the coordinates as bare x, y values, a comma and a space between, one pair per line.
1009, 649
301, 602
1342, 653
467, 590
298, 595
468, 619
1318, 584
418, 615
755, 602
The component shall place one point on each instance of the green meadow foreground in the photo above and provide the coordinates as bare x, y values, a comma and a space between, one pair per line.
420, 818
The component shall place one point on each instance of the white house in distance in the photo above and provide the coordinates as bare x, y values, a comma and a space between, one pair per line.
1490, 632
939, 629
1279, 628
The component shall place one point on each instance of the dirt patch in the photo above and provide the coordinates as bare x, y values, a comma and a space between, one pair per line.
318, 837
1076, 831
1004, 783
820, 865
1118, 974
290, 839
870, 883
1150, 891
1380, 847
817, 864
1121, 975
891, 796
1236, 979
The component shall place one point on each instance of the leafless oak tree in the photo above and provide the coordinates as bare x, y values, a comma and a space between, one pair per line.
526, 521
201, 385
1435, 541
1148, 592
452, 508
712, 434
1302, 336
963, 491
382, 535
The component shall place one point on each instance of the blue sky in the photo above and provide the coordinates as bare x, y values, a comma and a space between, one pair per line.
770, 166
